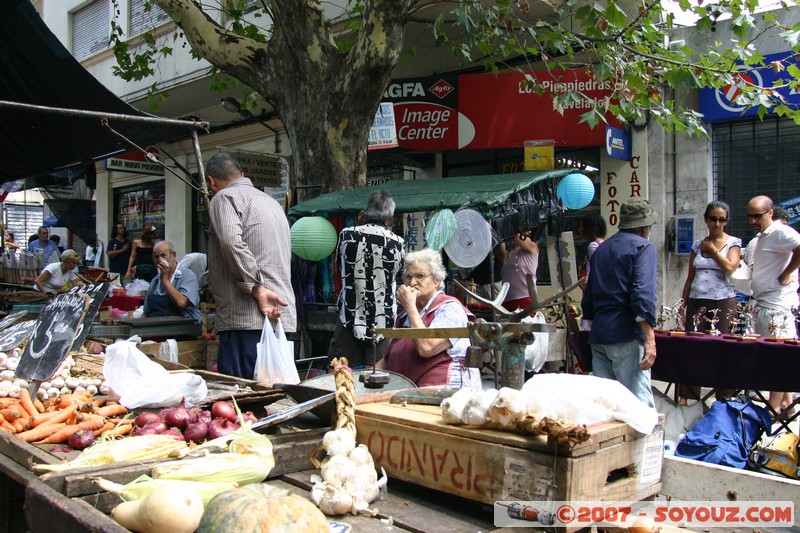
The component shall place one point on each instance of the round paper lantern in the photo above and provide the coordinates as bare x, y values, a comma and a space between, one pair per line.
313, 238
575, 191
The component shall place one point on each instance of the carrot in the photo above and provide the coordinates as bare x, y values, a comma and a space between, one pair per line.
19, 425
99, 402
87, 407
26, 402
11, 413
122, 429
111, 410
5, 425
57, 416
39, 433
83, 417
63, 434
73, 418
5, 403
108, 426
39, 405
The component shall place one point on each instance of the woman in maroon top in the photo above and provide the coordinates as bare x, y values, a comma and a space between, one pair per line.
429, 361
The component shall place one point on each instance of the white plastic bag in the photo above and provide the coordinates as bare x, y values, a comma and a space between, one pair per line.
739, 279
536, 353
275, 360
140, 382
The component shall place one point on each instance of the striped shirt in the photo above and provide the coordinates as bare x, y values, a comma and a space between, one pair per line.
248, 244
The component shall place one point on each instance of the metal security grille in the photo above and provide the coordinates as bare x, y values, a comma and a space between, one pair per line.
91, 29
753, 157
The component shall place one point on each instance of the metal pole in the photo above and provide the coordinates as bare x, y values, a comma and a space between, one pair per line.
195, 124
201, 171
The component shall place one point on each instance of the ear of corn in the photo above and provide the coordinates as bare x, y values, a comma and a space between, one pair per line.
141, 487
136, 448
230, 467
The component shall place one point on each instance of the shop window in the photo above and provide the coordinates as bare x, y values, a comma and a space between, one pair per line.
143, 19
139, 205
753, 157
91, 28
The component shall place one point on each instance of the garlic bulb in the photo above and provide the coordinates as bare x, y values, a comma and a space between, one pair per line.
57, 382
339, 442
12, 363
52, 392
361, 456
337, 469
363, 483
3, 359
71, 382
7, 374
335, 501
453, 407
475, 414
14, 392
509, 406
21, 383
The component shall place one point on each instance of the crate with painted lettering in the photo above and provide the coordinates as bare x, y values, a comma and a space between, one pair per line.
413, 444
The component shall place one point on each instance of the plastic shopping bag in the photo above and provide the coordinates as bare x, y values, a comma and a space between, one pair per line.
140, 382
275, 359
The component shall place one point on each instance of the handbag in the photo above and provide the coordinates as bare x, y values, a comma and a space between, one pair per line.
275, 357
739, 279
779, 453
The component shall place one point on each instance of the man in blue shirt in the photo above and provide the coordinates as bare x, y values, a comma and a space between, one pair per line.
174, 291
44, 245
620, 299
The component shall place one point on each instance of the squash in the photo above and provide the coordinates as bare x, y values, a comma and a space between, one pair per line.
165, 510
258, 507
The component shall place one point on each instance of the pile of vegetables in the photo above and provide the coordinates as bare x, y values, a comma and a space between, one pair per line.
192, 424
75, 418
63, 382
202, 476
348, 481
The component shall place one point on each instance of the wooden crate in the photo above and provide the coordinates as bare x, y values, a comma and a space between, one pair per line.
193, 354
413, 444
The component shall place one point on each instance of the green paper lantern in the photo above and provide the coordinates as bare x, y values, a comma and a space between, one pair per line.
313, 238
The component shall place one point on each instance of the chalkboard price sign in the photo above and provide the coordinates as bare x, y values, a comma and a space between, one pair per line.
62, 326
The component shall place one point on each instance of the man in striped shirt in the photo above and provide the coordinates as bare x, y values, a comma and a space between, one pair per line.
249, 256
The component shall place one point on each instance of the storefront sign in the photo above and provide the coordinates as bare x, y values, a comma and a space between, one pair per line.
383, 133
618, 143
623, 180
134, 162
474, 111
792, 207
720, 104
263, 170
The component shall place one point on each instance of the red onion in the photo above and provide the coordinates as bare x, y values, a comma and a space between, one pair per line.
178, 417
196, 432
81, 439
151, 429
174, 433
147, 418
224, 410
221, 427
205, 416
249, 416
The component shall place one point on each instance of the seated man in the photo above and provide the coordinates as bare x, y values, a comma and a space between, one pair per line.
172, 292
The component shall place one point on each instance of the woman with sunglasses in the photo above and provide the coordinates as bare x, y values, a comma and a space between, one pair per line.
429, 362
58, 277
712, 258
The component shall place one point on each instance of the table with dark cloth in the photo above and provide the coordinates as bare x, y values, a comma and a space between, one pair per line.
714, 362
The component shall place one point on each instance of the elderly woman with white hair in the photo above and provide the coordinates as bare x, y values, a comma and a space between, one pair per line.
429, 362
58, 277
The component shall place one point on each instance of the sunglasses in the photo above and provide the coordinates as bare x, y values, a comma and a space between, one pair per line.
717, 219
757, 215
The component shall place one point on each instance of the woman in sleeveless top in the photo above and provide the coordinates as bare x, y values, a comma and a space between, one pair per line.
429, 362
141, 263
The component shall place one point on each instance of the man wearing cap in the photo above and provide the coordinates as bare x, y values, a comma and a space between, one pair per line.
370, 257
620, 299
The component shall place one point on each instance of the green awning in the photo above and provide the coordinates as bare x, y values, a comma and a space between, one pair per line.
484, 193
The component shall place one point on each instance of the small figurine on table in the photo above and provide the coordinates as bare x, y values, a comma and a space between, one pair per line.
699, 317
734, 320
677, 314
713, 319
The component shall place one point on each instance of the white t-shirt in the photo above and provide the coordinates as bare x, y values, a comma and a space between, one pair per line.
57, 278
773, 252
